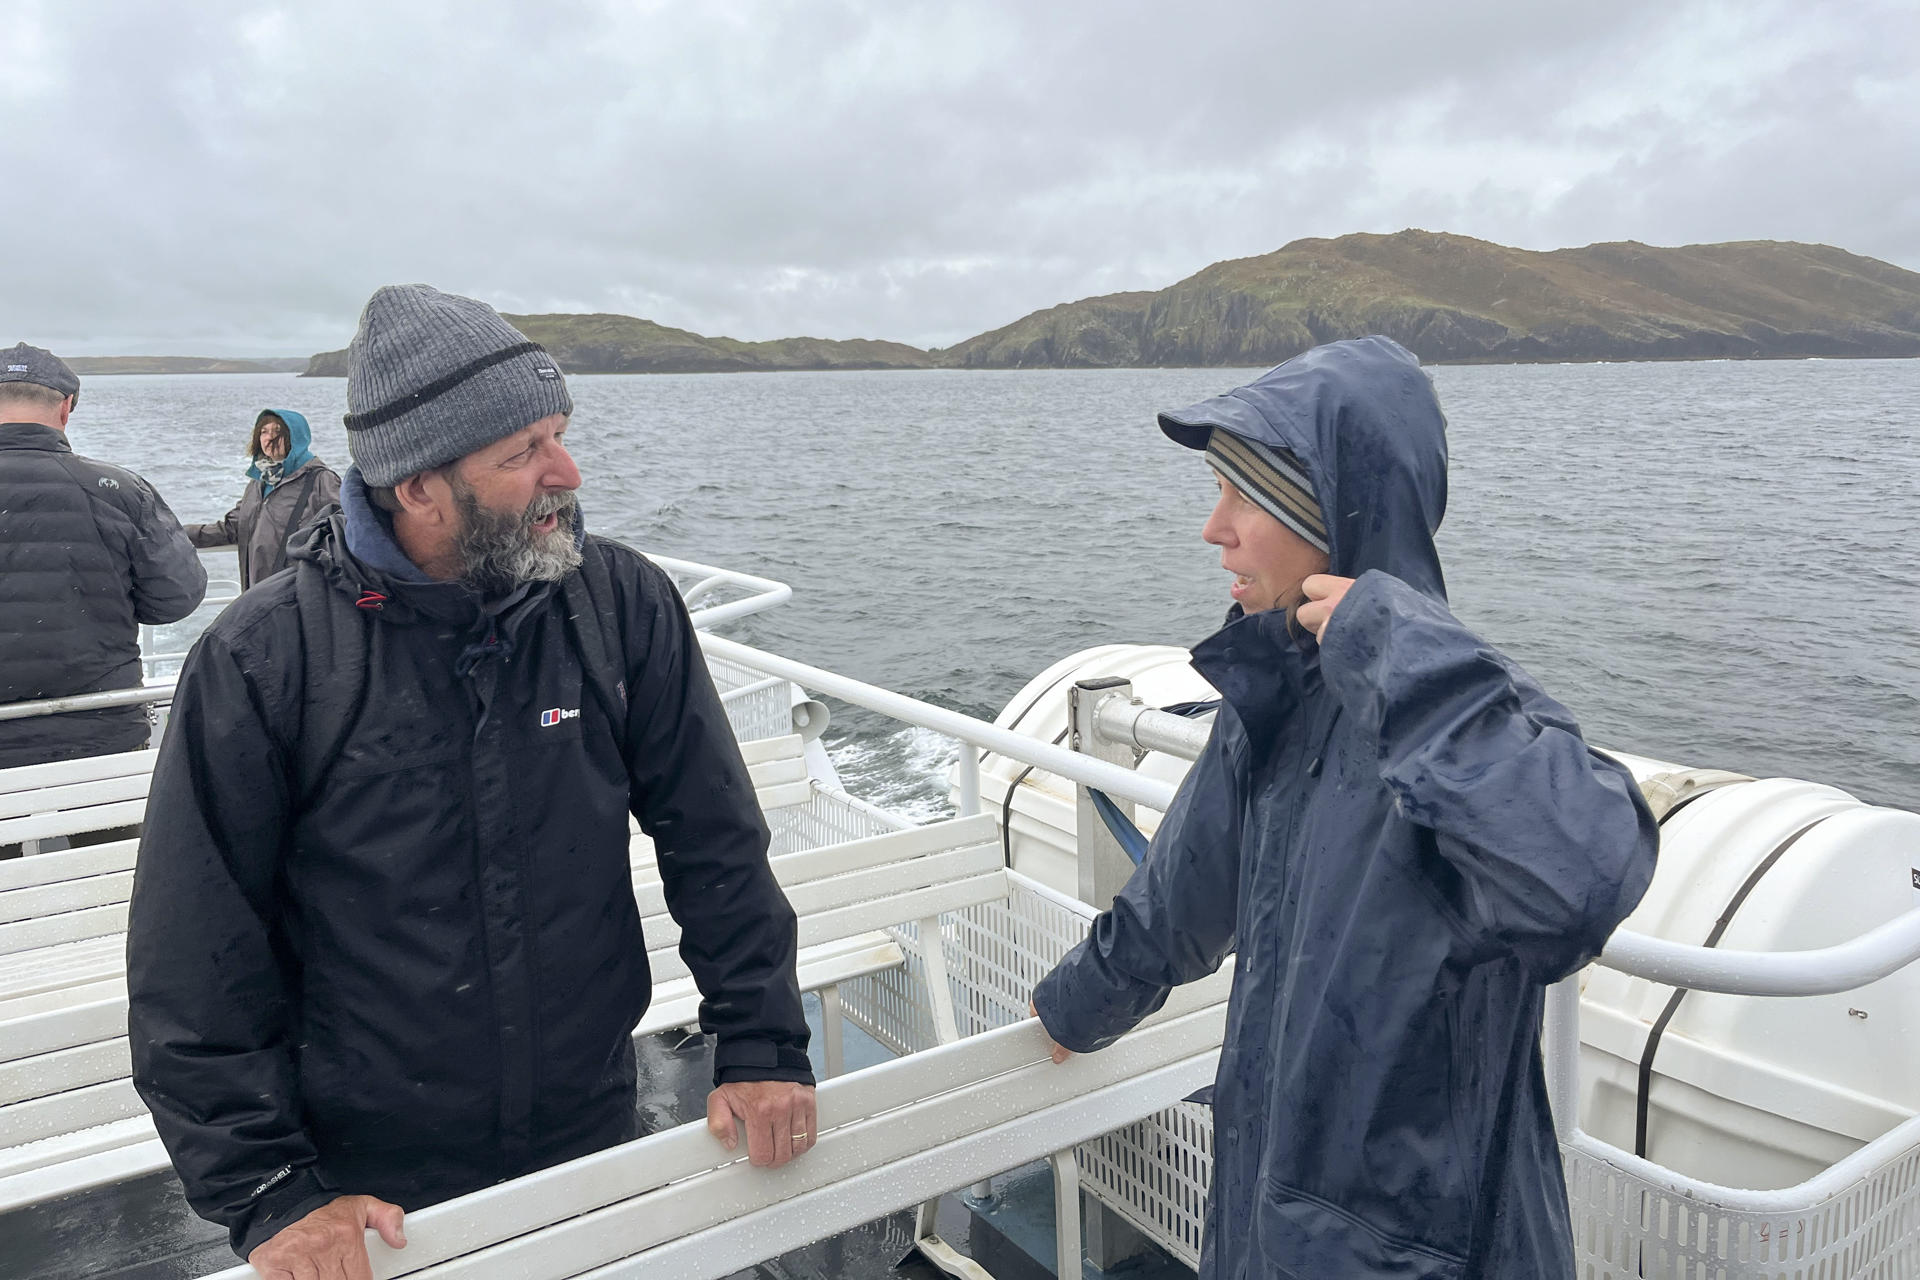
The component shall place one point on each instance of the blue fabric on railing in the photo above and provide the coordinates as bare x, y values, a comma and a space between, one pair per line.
1120, 825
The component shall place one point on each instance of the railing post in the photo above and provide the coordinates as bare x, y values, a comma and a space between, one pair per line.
1562, 1040
969, 770
1103, 864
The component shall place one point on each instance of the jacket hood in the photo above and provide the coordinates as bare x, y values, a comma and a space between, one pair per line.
299, 445
1362, 417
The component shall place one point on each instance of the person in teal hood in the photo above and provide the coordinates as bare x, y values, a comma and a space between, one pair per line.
287, 488
1399, 835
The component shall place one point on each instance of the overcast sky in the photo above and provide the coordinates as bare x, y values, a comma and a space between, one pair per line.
224, 178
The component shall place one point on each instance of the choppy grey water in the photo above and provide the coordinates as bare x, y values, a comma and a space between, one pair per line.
1714, 563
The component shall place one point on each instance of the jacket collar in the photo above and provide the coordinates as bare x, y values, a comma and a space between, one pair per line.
370, 533
34, 435
360, 556
1264, 665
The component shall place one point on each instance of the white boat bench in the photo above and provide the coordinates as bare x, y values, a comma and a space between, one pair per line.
893, 1136
61, 913
70, 1119
69, 797
100, 793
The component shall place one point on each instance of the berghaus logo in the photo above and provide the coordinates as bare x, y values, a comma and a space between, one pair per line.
554, 715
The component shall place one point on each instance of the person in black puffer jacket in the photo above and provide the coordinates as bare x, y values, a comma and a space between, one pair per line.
88, 552
383, 947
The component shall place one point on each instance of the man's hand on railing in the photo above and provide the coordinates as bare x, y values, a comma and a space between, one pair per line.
331, 1241
1059, 1054
778, 1118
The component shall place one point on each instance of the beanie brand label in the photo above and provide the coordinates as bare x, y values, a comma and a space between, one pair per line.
547, 372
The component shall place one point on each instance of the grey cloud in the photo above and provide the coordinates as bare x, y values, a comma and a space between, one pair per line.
238, 178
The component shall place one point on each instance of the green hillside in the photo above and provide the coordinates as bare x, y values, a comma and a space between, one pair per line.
1453, 298
1449, 298
624, 344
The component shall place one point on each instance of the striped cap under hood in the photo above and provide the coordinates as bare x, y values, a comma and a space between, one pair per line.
1363, 421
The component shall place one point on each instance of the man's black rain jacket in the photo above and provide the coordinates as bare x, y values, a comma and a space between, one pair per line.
410, 967
1406, 839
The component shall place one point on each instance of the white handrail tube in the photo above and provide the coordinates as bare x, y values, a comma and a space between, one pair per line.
1150, 729
1844, 967
768, 593
88, 701
1072, 765
1828, 1183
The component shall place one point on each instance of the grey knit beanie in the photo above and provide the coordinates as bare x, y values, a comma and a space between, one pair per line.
432, 376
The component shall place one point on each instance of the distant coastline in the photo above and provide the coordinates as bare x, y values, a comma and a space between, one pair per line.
95, 366
1450, 299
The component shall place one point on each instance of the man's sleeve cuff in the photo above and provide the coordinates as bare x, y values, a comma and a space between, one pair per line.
736, 1061
288, 1201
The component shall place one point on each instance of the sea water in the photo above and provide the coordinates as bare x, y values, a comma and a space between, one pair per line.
1712, 563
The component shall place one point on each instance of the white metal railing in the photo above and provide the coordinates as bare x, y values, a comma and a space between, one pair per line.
1844, 967
220, 591
162, 692
762, 594
969, 730
1132, 723
1857, 1217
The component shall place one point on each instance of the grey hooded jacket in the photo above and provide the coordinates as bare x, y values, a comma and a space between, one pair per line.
1404, 840
88, 552
268, 514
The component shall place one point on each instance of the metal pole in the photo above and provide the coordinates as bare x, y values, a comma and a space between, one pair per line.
748, 690
1562, 1039
1103, 865
1119, 783
1845, 966
1106, 1238
1145, 728
1066, 1216
88, 701
969, 770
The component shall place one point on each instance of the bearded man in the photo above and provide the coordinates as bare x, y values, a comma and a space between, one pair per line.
383, 946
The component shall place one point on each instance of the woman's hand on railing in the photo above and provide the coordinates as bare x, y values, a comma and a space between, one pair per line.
1059, 1054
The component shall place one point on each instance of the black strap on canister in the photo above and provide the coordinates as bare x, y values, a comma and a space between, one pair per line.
1679, 994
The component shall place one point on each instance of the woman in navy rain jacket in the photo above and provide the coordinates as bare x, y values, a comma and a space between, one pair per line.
1403, 839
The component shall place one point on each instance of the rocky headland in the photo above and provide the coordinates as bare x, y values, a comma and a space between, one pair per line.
1449, 298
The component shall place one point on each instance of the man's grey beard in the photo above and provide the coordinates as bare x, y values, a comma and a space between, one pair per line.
499, 551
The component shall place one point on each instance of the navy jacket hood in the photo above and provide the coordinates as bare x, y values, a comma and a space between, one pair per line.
1363, 419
